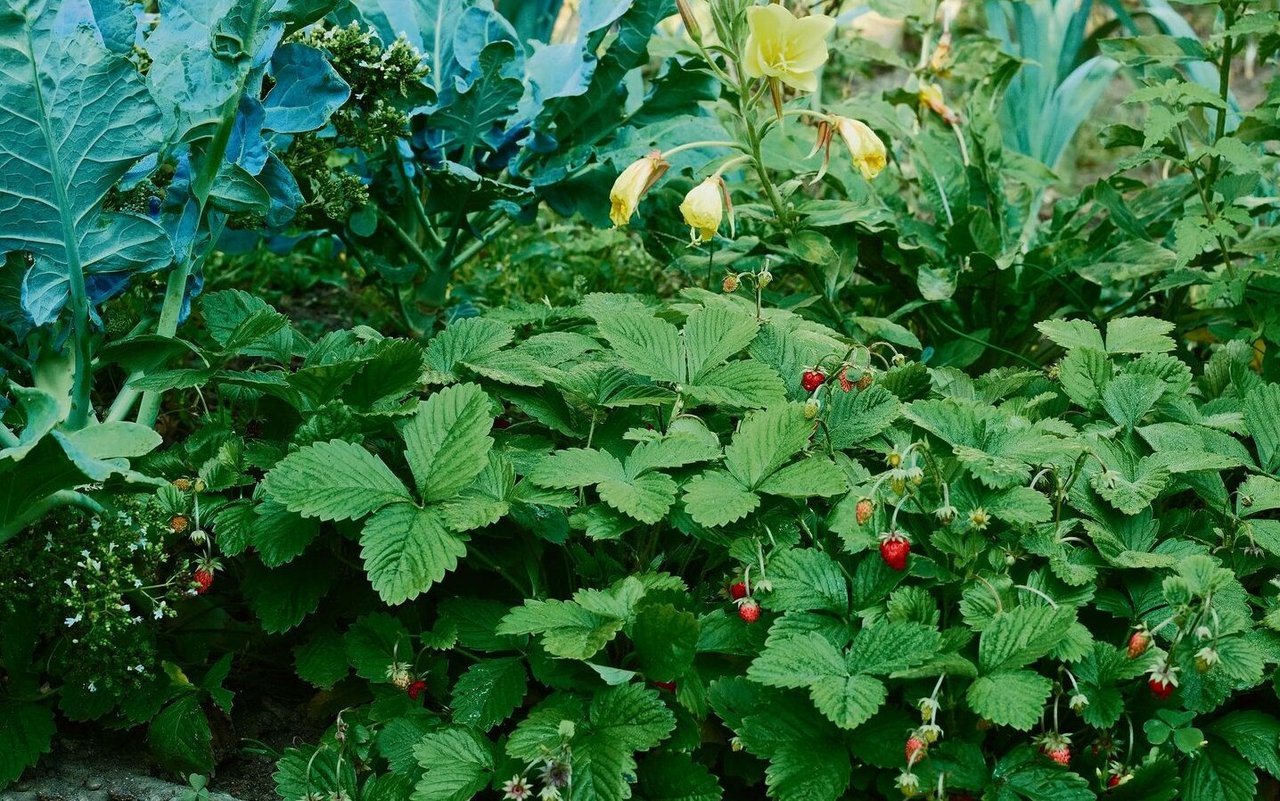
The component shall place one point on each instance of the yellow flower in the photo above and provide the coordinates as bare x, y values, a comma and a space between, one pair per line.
703, 209
865, 147
783, 47
631, 185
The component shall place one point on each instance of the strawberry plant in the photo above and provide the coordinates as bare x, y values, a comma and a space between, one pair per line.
890, 464
661, 573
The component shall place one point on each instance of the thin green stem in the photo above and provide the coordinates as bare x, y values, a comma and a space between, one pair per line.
415, 201
730, 164
403, 237
1224, 84
986, 344
1206, 202
757, 160
42, 507
696, 145
201, 187
469, 252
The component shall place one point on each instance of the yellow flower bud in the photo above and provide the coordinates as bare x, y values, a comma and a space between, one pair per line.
866, 149
703, 209
689, 19
631, 185
931, 96
786, 48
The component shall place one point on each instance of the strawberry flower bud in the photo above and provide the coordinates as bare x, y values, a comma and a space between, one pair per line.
928, 707
1078, 703
908, 783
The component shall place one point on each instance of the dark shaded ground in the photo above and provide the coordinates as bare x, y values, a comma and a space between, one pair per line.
93, 765
100, 769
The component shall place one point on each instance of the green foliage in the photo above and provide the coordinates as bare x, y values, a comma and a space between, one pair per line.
907, 481
1054, 516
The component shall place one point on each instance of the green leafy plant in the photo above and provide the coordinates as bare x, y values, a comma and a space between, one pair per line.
911, 473
130, 162
639, 572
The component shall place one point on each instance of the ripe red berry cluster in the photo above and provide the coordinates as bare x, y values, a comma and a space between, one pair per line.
863, 511
916, 749
1161, 687
1139, 642
203, 579
812, 379
894, 549
1061, 754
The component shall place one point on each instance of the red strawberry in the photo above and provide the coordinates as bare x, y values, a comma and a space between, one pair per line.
749, 610
501, 423
845, 383
204, 578
894, 549
1139, 642
669, 686
1114, 781
415, 689
1161, 687
864, 510
916, 749
812, 379
1060, 754
738, 590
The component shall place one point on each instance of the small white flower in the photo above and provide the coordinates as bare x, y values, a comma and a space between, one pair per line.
71, 621
93, 688
516, 789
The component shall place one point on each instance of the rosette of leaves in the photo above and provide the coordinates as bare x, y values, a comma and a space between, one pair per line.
407, 542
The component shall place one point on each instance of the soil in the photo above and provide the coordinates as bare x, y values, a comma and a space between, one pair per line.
88, 764
96, 769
